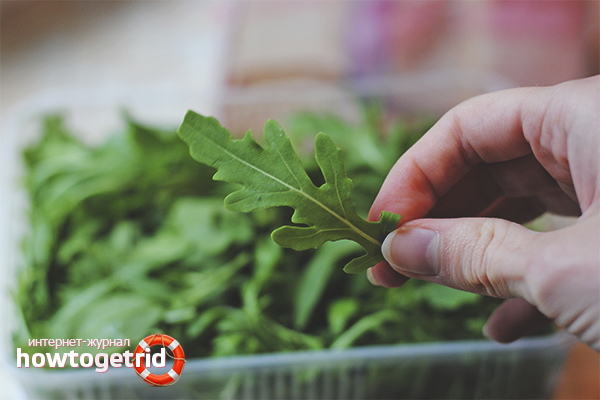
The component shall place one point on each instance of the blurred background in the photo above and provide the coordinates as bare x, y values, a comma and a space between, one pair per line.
211, 49
247, 61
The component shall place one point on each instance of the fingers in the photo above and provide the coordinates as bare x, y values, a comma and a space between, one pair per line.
520, 186
485, 129
512, 154
382, 274
563, 278
513, 319
525, 209
497, 129
481, 255
556, 273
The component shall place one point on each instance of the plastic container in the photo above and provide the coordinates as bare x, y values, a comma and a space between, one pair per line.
526, 369
476, 369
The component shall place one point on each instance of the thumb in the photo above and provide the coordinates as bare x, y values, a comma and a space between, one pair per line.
481, 255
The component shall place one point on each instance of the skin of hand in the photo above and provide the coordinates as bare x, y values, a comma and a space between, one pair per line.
489, 164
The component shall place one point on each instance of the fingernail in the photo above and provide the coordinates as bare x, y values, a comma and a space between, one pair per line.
486, 331
371, 278
414, 250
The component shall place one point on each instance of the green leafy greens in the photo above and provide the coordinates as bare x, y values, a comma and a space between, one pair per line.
274, 176
130, 237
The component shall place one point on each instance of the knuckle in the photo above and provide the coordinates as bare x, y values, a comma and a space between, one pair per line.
481, 271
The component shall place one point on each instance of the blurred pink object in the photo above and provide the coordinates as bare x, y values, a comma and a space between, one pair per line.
526, 42
539, 42
388, 36
413, 29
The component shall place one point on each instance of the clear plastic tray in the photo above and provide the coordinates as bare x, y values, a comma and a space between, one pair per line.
526, 369
478, 369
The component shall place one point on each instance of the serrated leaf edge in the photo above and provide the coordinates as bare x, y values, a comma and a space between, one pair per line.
306, 195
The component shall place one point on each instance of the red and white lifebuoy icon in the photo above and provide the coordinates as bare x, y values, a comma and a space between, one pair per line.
166, 341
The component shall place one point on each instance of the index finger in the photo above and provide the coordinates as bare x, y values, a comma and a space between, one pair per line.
488, 128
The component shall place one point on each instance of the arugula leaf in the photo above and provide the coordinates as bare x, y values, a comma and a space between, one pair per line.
137, 223
315, 278
274, 176
340, 312
373, 322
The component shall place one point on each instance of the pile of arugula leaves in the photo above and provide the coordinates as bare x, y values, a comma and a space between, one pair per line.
131, 238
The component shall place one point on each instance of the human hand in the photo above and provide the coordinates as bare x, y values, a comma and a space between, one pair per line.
504, 158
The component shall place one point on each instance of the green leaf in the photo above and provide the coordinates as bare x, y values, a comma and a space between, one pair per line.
207, 225
315, 278
369, 323
274, 176
267, 255
207, 319
117, 315
340, 312
446, 298
210, 282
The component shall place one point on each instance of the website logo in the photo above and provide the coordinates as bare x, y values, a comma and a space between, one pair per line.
143, 351
140, 360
